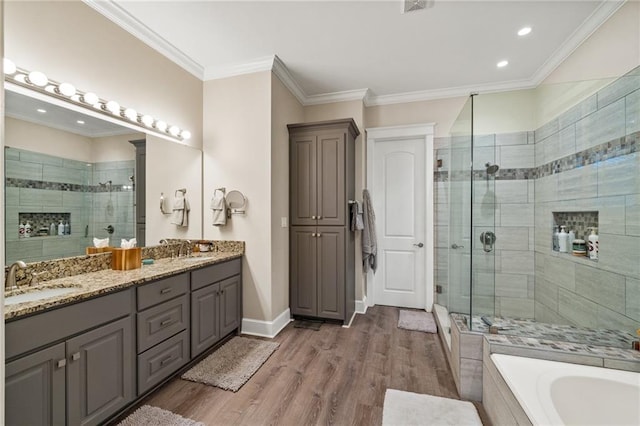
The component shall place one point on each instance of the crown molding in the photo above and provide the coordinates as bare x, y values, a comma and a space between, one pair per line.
599, 16
347, 95
116, 14
282, 72
231, 70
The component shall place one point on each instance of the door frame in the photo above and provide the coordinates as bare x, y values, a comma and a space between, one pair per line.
424, 132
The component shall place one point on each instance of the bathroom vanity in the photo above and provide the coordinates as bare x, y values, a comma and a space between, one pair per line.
83, 357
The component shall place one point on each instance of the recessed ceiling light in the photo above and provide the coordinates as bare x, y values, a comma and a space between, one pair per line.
41, 111
524, 31
80, 122
502, 64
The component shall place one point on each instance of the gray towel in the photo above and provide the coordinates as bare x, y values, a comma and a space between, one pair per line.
181, 210
369, 240
357, 223
219, 207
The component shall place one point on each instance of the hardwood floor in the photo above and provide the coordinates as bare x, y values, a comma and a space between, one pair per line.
331, 376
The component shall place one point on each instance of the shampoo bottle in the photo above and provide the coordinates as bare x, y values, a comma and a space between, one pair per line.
52, 229
21, 230
67, 229
572, 236
593, 244
556, 247
563, 240
60, 228
27, 230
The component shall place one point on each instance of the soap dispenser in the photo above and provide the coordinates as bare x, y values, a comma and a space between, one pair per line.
60, 228
593, 245
563, 240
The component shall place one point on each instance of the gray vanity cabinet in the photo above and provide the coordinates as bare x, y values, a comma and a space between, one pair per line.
35, 388
99, 373
216, 303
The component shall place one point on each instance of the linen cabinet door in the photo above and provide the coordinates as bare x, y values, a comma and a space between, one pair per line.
331, 272
304, 208
205, 318
331, 180
302, 279
35, 388
230, 304
100, 373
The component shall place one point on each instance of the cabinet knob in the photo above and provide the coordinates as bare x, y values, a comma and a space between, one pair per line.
318, 235
75, 357
318, 217
313, 234
61, 363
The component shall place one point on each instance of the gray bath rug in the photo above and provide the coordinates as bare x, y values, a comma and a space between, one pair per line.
154, 416
233, 364
407, 408
311, 325
417, 321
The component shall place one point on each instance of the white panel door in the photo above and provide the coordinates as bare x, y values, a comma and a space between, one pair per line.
398, 195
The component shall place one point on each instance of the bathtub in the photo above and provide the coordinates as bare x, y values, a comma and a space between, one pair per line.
559, 393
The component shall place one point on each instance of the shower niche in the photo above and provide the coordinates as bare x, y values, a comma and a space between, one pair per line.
41, 223
581, 223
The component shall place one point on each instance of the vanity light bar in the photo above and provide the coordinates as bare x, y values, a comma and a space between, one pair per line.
39, 81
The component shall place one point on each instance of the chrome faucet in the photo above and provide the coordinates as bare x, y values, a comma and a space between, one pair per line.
188, 251
165, 242
10, 283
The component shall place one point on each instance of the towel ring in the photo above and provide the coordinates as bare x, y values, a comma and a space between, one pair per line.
236, 202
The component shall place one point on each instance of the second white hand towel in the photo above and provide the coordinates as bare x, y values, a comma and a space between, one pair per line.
219, 207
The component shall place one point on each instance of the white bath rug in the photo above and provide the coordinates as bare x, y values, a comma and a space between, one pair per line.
417, 321
154, 416
408, 408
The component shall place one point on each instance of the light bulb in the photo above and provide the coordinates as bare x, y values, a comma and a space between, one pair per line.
50, 88
185, 134
21, 78
113, 107
502, 64
147, 120
75, 98
8, 66
131, 114
38, 79
67, 89
524, 31
161, 125
174, 130
90, 98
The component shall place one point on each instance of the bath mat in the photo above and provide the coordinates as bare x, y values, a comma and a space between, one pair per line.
417, 321
153, 416
408, 408
311, 325
232, 365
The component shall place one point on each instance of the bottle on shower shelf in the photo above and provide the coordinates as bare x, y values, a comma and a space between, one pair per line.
572, 236
593, 245
60, 228
563, 240
556, 246
67, 229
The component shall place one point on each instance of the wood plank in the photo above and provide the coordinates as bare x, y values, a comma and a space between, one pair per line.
331, 376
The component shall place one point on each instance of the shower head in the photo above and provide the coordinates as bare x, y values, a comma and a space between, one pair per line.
491, 168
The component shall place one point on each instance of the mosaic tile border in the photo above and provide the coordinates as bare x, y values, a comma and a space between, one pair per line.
61, 186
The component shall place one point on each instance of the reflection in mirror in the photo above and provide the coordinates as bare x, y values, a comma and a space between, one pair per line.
69, 177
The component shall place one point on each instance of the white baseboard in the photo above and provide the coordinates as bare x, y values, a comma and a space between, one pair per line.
268, 329
361, 305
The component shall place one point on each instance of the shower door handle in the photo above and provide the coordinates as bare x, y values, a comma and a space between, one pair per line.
487, 239
455, 246
420, 245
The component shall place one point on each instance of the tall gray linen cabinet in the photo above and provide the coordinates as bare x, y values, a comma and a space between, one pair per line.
322, 246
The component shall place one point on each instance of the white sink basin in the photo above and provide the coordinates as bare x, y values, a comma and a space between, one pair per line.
38, 295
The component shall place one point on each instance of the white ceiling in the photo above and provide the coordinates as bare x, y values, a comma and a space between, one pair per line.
344, 46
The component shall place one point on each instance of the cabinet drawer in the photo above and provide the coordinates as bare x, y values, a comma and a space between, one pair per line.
162, 290
159, 362
211, 274
162, 321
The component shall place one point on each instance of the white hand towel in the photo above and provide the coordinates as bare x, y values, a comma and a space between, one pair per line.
181, 209
101, 242
219, 207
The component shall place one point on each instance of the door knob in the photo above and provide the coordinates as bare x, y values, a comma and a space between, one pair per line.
420, 245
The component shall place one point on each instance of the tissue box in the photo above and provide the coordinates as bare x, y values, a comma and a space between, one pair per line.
96, 250
124, 259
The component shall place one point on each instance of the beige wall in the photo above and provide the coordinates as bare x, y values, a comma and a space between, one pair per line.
69, 41
504, 112
114, 148
285, 109
237, 155
171, 166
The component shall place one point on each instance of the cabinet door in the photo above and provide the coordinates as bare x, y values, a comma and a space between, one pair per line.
303, 299
330, 180
35, 388
303, 184
331, 272
205, 325
100, 373
230, 304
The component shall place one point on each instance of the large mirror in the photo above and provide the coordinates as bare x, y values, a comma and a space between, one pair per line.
69, 177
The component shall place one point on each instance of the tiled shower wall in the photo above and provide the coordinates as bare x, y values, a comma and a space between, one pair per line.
587, 160
37, 182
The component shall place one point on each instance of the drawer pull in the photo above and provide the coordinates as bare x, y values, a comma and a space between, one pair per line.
166, 360
166, 290
75, 356
166, 322
61, 363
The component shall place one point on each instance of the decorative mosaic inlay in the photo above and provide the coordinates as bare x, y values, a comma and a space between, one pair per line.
527, 328
60, 186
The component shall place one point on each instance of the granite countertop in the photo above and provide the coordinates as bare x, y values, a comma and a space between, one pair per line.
105, 281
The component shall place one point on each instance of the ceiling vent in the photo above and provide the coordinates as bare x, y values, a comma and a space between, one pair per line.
415, 5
